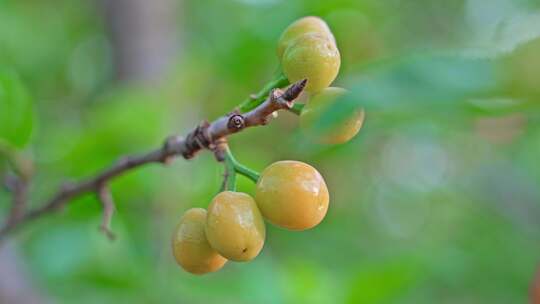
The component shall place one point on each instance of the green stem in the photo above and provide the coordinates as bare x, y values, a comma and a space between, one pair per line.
230, 183
297, 108
237, 167
247, 172
252, 102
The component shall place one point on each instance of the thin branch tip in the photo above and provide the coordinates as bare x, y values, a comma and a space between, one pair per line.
108, 233
295, 90
106, 199
205, 136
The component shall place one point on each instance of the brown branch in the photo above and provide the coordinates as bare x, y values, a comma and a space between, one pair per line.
9, 182
105, 196
277, 100
205, 136
18, 186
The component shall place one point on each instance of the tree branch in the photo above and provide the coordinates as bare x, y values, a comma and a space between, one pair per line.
19, 188
105, 196
205, 136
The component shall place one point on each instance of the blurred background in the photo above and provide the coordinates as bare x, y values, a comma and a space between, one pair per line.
437, 200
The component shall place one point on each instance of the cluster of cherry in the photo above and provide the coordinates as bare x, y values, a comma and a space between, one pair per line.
289, 194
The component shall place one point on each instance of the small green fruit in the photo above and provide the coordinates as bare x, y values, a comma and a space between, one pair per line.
300, 27
337, 132
313, 57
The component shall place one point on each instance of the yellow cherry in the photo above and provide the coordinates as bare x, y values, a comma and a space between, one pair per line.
235, 227
336, 132
292, 195
300, 27
313, 57
190, 247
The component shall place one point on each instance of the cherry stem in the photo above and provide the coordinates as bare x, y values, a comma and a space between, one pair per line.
236, 167
247, 172
230, 174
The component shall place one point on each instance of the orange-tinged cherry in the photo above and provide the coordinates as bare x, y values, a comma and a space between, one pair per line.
314, 57
292, 195
190, 247
309, 24
332, 132
235, 226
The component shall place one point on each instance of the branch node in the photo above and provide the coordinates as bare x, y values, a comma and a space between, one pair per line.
236, 122
197, 140
220, 149
276, 94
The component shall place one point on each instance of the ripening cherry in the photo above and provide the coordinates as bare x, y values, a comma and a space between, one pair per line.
235, 227
314, 57
292, 195
300, 27
335, 132
190, 246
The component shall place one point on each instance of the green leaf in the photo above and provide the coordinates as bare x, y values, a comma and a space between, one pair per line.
427, 86
435, 83
384, 282
16, 116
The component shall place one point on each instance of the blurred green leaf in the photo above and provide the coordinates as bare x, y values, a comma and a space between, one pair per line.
382, 283
424, 82
338, 113
433, 84
16, 116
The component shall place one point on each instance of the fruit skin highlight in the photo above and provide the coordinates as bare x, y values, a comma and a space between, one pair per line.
314, 57
309, 24
235, 227
292, 195
337, 132
190, 247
